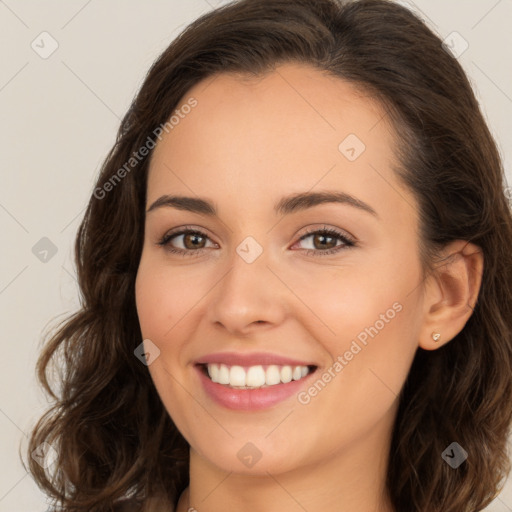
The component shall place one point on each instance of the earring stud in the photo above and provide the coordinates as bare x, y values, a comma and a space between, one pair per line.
435, 336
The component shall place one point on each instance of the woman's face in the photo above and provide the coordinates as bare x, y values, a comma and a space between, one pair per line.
275, 277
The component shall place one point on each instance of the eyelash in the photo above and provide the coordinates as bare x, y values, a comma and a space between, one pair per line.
348, 242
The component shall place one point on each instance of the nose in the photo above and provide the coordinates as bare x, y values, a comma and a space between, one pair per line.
249, 296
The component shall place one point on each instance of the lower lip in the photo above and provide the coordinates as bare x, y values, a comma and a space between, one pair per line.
250, 399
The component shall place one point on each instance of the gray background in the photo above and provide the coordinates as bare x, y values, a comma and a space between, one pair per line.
59, 117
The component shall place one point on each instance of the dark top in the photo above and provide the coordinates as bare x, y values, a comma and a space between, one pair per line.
129, 505
133, 505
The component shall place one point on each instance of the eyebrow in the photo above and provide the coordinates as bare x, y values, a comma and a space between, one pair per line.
287, 205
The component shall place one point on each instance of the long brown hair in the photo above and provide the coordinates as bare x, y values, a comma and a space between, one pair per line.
111, 432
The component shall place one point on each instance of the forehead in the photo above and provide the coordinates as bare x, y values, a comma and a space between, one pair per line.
294, 100
291, 128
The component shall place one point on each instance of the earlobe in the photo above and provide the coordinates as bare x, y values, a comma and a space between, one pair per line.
436, 336
451, 294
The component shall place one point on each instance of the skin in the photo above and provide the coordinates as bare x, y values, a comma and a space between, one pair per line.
244, 146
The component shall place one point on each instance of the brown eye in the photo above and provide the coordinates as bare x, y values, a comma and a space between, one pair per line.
193, 241
184, 241
325, 241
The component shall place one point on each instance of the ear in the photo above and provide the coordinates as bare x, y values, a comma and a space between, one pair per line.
451, 292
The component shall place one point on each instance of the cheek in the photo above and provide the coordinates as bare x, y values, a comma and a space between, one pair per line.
161, 299
148, 296
347, 301
370, 321
161, 302
360, 388
370, 298
375, 328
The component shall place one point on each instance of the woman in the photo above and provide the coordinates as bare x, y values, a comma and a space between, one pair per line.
296, 273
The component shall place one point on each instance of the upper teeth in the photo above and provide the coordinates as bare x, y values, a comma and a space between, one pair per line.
255, 376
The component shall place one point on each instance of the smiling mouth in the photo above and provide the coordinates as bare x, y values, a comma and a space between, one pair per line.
254, 377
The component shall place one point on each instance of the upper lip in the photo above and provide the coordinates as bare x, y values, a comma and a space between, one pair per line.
250, 359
